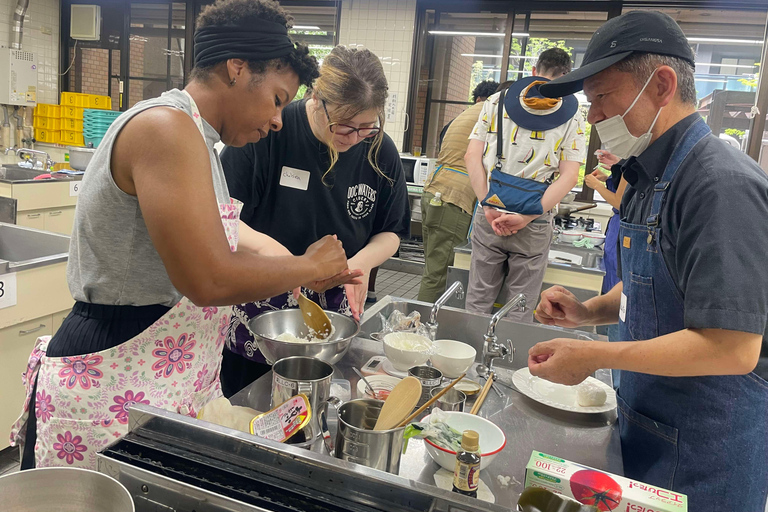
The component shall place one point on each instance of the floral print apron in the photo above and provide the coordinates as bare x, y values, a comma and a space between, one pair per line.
82, 402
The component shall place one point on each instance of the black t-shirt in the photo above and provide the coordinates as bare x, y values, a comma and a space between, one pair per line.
280, 181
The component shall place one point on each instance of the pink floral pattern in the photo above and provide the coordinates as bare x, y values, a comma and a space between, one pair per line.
81, 370
124, 402
43, 406
175, 355
81, 401
70, 447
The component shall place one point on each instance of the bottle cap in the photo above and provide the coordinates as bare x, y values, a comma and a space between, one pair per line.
438, 195
470, 441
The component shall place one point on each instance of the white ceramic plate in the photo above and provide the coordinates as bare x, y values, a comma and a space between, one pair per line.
388, 367
560, 396
380, 383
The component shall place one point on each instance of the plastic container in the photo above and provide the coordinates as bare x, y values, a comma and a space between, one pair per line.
97, 101
74, 125
48, 123
92, 140
70, 112
49, 136
73, 99
72, 138
47, 110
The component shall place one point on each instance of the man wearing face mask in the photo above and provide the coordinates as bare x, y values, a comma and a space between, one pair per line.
693, 301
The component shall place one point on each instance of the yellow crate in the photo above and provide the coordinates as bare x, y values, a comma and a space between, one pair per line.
96, 101
73, 99
73, 125
49, 123
68, 112
47, 110
72, 138
45, 135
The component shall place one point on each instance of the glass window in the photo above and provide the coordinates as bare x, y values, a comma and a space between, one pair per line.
728, 46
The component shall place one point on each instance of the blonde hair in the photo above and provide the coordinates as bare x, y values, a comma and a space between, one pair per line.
353, 81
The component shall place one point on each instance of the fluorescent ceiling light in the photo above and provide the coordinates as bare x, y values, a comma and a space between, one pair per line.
305, 27
722, 40
480, 34
712, 64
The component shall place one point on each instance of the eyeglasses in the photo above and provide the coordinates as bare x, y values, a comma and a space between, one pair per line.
345, 129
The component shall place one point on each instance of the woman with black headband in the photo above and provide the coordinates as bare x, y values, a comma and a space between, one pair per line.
332, 169
154, 261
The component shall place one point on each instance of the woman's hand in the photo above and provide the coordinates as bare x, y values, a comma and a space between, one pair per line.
357, 293
342, 278
606, 157
594, 182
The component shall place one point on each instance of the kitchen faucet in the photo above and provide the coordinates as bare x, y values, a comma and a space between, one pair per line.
492, 349
38, 155
10, 150
456, 288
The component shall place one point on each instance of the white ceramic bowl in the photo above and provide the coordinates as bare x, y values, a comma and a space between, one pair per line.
382, 384
405, 350
452, 357
492, 439
569, 237
597, 238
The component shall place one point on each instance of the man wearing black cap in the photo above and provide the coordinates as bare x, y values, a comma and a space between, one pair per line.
693, 301
540, 137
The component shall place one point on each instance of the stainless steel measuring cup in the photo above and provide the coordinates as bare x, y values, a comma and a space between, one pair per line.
303, 375
356, 441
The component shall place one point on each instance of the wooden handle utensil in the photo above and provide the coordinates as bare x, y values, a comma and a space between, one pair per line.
315, 317
483, 393
430, 402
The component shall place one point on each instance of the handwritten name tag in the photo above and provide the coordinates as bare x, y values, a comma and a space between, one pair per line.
294, 178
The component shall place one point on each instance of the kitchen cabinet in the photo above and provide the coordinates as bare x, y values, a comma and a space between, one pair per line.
56, 220
16, 343
46, 205
31, 219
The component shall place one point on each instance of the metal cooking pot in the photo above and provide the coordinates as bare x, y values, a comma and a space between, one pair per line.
267, 326
356, 441
63, 490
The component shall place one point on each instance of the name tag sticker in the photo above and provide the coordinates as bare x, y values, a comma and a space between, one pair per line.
294, 178
627, 242
623, 308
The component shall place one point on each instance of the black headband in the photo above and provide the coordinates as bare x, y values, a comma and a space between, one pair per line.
264, 41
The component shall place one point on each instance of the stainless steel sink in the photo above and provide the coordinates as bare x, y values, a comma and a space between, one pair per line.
18, 174
461, 325
590, 258
22, 248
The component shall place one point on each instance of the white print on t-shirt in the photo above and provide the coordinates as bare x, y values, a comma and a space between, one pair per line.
360, 201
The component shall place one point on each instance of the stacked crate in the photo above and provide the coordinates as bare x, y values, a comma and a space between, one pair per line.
47, 123
72, 106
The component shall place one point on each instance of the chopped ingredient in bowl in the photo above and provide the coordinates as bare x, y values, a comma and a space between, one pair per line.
289, 337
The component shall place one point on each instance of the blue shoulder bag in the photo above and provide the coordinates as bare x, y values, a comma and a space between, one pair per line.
507, 192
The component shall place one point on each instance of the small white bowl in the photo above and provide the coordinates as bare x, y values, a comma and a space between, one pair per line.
597, 238
406, 350
569, 237
382, 384
492, 439
452, 357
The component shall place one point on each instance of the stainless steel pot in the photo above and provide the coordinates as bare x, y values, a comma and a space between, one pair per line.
63, 490
356, 441
303, 375
267, 326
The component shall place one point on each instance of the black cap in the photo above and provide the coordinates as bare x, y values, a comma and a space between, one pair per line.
636, 31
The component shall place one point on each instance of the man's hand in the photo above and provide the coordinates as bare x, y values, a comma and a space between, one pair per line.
342, 278
565, 361
606, 157
560, 307
491, 214
510, 223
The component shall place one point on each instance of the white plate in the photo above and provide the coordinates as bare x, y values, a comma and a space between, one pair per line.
560, 396
387, 366
379, 383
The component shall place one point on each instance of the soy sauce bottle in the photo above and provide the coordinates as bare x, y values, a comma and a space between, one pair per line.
466, 474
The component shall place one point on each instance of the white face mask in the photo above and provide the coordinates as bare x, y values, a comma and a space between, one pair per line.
616, 136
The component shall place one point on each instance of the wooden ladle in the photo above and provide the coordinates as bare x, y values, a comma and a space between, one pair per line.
399, 404
315, 318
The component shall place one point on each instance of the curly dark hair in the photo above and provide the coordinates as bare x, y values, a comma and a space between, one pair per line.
484, 89
247, 12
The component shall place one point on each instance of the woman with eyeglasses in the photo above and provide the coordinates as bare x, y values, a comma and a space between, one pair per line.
331, 169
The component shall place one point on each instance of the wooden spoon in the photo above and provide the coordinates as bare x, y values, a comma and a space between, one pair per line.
315, 317
399, 403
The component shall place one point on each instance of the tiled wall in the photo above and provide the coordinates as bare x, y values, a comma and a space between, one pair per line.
41, 35
386, 27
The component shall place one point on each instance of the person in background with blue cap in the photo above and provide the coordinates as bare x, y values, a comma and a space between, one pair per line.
540, 137
693, 302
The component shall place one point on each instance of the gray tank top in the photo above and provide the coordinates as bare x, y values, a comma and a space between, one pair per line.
112, 259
